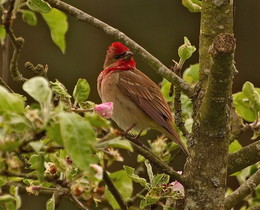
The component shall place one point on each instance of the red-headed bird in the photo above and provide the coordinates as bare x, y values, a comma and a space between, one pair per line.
137, 100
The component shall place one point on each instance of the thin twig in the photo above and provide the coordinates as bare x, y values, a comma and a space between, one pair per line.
76, 201
178, 112
241, 192
145, 151
121, 202
2, 82
118, 35
16, 42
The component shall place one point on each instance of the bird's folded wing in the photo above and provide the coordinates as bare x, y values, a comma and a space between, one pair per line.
146, 95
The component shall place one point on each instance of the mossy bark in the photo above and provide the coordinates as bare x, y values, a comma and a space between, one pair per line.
206, 169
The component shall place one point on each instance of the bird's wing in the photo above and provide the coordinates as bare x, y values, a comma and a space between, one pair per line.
146, 95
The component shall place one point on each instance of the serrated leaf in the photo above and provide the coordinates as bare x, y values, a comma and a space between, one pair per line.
79, 139
2, 33
117, 142
37, 163
60, 92
123, 184
39, 6
58, 25
81, 91
160, 179
191, 74
29, 17
50, 204
186, 50
136, 178
38, 88
10, 102
234, 146
253, 96
243, 106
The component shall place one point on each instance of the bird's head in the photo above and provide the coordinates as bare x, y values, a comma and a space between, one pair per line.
119, 57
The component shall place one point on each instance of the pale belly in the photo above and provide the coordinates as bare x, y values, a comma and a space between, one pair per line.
126, 112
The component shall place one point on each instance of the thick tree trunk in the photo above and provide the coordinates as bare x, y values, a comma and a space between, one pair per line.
206, 169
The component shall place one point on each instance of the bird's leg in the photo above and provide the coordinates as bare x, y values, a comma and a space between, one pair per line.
128, 129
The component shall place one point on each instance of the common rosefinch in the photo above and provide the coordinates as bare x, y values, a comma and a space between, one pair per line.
138, 101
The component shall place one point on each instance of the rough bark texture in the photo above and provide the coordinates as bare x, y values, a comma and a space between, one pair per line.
206, 168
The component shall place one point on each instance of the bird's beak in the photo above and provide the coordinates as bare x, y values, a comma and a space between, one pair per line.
128, 55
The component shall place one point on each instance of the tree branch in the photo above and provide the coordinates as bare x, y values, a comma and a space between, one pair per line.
144, 151
114, 191
241, 192
116, 34
245, 157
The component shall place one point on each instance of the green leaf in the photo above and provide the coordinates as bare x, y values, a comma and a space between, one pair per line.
2, 33
50, 204
117, 142
192, 5
10, 102
244, 107
253, 96
191, 74
37, 163
60, 92
81, 91
3, 181
14, 190
29, 17
10, 206
123, 184
149, 170
38, 88
160, 179
151, 197
96, 120
6, 198
39, 6
58, 25
9, 145
136, 178
165, 89
186, 50
79, 139
234, 146
54, 133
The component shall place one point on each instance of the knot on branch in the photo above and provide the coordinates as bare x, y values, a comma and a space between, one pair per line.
224, 44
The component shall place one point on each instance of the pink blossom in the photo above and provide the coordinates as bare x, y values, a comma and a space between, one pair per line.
177, 186
104, 109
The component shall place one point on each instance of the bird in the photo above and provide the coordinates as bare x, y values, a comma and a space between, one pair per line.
138, 103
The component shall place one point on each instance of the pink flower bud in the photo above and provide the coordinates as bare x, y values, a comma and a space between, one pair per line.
104, 109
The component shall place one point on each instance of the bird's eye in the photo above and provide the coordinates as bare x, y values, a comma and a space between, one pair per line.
117, 56
121, 55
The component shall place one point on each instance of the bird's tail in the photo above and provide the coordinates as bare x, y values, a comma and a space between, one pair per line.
173, 135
